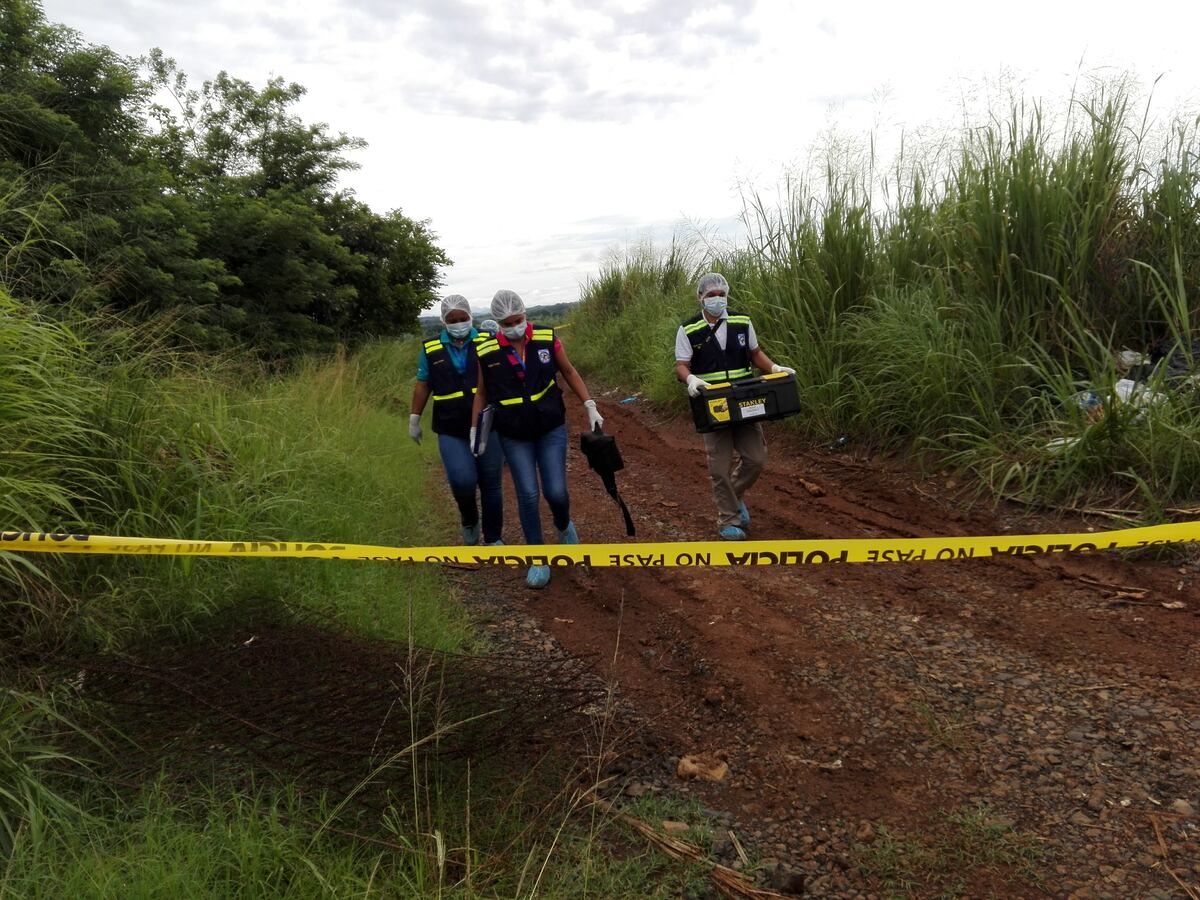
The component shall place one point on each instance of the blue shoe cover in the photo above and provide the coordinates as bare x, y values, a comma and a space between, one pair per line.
731, 533
538, 577
471, 535
568, 535
745, 514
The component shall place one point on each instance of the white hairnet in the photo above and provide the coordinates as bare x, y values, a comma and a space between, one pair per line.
710, 281
455, 302
505, 304
489, 325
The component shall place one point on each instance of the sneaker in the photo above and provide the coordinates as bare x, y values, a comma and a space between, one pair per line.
731, 533
568, 535
471, 535
496, 543
538, 577
745, 514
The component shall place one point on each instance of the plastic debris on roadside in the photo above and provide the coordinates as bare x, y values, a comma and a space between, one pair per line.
1059, 444
1127, 359
1172, 365
1090, 403
1137, 394
1125, 392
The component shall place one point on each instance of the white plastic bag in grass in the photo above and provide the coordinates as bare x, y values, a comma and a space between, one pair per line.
1136, 394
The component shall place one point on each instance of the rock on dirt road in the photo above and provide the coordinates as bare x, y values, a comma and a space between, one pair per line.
1018, 726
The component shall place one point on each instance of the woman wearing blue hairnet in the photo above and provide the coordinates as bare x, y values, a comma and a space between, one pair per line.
521, 371
448, 371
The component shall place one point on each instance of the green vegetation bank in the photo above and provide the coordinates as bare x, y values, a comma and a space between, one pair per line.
962, 305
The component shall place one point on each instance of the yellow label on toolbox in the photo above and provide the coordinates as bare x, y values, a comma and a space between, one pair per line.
719, 409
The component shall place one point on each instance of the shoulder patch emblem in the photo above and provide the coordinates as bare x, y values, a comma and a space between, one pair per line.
742, 339
544, 356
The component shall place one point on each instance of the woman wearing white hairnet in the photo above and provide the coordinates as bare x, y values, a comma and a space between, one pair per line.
448, 371
521, 371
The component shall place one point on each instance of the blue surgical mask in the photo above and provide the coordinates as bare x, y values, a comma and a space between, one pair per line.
459, 330
714, 306
513, 332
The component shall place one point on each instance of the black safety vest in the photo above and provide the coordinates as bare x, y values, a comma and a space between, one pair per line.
452, 391
528, 402
710, 363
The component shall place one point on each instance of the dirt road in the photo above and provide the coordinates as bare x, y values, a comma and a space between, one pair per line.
1000, 727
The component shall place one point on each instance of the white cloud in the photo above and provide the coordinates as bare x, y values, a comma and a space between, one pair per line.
537, 134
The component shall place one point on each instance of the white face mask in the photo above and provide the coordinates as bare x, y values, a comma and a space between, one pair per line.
714, 306
513, 332
459, 330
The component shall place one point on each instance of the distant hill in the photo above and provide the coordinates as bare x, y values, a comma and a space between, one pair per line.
552, 314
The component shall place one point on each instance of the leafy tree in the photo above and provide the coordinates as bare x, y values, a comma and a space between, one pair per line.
218, 207
400, 270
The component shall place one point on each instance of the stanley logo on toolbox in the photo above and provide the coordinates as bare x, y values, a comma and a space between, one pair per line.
649, 555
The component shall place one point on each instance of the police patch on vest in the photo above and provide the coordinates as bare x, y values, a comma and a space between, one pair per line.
742, 339
544, 355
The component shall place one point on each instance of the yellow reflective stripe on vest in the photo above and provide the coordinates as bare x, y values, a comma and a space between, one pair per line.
724, 375
487, 347
543, 334
738, 320
454, 396
695, 326
536, 397
430, 346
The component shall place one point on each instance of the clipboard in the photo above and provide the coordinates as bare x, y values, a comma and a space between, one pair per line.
483, 429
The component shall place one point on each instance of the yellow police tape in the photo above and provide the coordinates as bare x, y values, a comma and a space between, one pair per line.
649, 555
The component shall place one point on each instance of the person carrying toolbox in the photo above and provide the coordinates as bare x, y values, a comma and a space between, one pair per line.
448, 371
717, 347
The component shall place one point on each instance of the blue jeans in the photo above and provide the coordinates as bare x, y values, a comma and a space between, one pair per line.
526, 459
465, 474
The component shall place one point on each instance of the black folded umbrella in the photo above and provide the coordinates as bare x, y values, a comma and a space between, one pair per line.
605, 459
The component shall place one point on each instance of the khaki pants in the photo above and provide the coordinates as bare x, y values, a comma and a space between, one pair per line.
730, 479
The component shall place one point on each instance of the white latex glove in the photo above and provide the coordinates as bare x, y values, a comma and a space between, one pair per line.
471, 442
594, 417
414, 427
776, 369
694, 386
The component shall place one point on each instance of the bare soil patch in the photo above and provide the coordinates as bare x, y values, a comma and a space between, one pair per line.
861, 704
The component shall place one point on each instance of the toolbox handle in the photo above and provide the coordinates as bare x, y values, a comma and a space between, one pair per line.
724, 384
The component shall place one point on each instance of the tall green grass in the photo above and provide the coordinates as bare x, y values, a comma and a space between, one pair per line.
104, 430
267, 844
112, 433
953, 305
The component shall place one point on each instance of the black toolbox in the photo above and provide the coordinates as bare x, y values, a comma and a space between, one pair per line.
745, 400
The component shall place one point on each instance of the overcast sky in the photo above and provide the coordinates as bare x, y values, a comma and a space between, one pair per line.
539, 136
